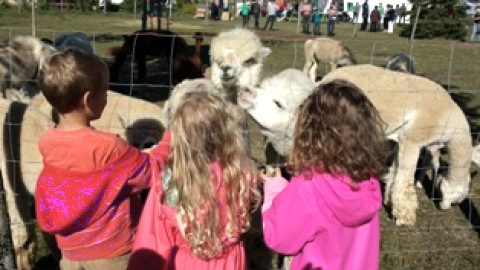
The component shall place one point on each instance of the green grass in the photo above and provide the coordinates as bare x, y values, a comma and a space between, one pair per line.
441, 239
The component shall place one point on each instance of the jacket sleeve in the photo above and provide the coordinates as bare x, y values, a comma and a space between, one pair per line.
271, 189
290, 222
147, 172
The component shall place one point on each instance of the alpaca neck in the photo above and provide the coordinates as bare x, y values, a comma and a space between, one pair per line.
198, 47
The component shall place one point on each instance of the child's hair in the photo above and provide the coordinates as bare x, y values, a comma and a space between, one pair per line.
339, 131
66, 76
204, 133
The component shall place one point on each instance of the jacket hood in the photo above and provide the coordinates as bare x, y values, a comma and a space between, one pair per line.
353, 204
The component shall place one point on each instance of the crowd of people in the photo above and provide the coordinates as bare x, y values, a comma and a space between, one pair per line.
379, 18
203, 184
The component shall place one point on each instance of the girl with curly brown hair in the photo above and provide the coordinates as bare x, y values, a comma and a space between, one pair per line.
327, 216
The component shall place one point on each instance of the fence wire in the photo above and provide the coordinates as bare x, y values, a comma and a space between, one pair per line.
441, 239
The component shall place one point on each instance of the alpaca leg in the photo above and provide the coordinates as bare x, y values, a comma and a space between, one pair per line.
312, 72
476, 155
392, 161
456, 185
404, 198
22, 240
435, 153
388, 179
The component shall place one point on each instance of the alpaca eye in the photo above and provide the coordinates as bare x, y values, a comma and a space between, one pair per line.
279, 105
250, 61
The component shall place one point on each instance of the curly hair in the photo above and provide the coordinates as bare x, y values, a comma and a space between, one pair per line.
339, 131
204, 134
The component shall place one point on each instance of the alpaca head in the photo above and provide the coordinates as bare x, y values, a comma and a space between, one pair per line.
400, 62
237, 59
178, 93
274, 105
142, 133
26, 55
30, 46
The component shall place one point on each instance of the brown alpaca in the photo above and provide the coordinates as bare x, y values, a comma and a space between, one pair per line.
192, 66
113, 51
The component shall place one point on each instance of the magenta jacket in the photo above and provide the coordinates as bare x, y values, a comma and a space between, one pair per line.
327, 222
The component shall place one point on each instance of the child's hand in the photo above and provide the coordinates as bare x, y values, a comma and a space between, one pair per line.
269, 172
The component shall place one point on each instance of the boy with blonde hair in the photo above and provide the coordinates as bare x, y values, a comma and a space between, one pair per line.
87, 192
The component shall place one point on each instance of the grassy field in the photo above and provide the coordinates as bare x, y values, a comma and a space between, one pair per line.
441, 239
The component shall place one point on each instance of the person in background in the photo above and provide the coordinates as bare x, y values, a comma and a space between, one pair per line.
332, 18
381, 12
255, 11
365, 14
327, 216
389, 19
374, 19
476, 25
195, 213
245, 13
306, 12
356, 11
271, 14
87, 193
317, 20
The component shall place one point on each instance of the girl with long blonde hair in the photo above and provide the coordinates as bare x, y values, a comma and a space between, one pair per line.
196, 212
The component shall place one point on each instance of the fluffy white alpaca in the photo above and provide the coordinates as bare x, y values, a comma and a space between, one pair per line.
237, 59
326, 50
135, 120
418, 113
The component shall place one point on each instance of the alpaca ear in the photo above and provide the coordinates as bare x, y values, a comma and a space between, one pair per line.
123, 121
264, 52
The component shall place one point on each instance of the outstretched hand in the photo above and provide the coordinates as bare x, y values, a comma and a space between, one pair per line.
269, 172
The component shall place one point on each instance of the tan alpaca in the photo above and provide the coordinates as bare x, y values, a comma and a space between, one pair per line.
326, 50
118, 117
417, 111
20, 165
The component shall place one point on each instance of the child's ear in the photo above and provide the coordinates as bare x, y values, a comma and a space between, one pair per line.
86, 98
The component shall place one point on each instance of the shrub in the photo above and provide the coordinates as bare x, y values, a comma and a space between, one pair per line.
442, 18
188, 9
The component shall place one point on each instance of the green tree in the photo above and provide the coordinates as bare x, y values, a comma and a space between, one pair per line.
437, 18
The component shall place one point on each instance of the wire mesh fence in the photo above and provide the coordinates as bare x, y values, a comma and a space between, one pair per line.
441, 239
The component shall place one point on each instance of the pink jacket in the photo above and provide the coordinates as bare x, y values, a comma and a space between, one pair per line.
159, 244
325, 223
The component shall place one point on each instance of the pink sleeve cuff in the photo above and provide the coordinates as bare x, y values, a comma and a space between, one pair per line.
271, 189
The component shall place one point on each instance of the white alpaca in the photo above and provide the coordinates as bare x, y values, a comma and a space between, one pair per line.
326, 50
237, 60
136, 120
418, 113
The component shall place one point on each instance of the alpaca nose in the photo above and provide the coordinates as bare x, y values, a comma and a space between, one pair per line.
225, 69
